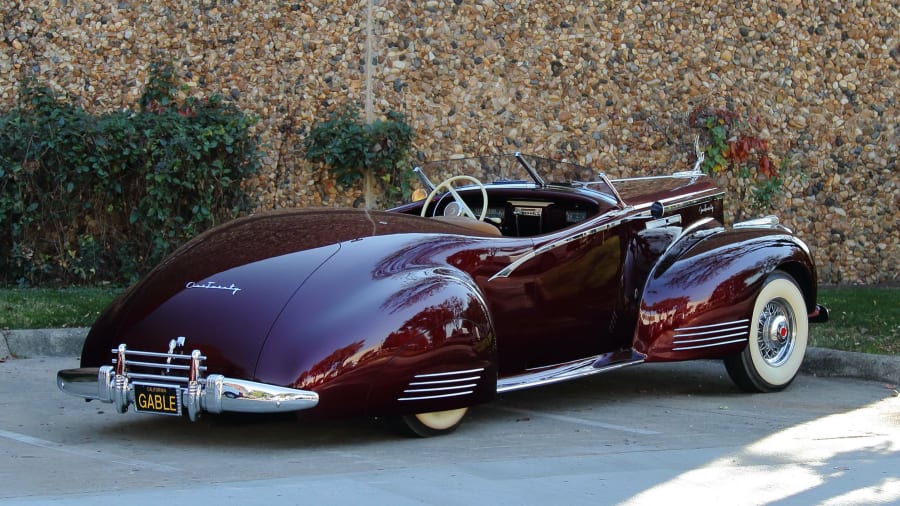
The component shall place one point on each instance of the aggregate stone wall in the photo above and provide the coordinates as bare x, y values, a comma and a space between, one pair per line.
607, 84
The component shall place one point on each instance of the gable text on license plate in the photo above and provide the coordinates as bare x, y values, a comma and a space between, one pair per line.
159, 399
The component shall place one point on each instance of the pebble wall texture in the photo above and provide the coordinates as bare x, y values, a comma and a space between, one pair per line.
607, 84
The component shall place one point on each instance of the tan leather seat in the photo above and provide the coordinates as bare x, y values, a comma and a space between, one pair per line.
471, 224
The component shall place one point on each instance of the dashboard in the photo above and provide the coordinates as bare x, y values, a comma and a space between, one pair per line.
526, 217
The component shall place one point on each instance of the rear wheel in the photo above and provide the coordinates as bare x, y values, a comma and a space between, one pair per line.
778, 337
430, 424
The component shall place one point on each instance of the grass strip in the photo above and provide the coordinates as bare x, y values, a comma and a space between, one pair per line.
39, 308
863, 319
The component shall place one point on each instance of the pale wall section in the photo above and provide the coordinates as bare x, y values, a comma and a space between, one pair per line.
609, 84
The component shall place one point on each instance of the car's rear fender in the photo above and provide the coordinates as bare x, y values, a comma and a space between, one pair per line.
415, 340
449, 358
698, 299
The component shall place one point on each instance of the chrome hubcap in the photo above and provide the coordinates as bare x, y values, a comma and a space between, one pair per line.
776, 332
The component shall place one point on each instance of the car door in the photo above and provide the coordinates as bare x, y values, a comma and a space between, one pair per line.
559, 302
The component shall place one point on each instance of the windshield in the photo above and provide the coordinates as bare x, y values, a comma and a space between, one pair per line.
520, 168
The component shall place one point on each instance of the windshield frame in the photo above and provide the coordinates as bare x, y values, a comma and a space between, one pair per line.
508, 168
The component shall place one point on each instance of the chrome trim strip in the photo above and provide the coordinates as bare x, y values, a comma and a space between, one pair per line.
558, 373
705, 339
425, 398
439, 382
155, 354
693, 199
444, 382
717, 331
663, 222
709, 345
679, 175
735, 322
154, 364
770, 222
433, 374
175, 367
438, 389
156, 377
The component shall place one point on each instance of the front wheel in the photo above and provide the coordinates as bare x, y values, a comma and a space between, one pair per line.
430, 424
778, 335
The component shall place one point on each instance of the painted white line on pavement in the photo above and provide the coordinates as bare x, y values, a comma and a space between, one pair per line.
91, 454
572, 419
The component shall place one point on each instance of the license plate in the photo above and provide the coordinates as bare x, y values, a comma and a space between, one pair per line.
158, 399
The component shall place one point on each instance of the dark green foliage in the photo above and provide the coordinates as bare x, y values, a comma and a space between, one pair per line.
350, 147
91, 198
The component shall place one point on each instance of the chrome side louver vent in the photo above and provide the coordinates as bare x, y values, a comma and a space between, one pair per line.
707, 336
442, 384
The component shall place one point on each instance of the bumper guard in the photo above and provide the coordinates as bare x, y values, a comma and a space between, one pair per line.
214, 394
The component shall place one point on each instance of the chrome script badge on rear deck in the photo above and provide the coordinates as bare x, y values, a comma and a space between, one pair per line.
212, 285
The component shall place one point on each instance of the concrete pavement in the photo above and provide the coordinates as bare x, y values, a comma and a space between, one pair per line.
676, 433
818, 361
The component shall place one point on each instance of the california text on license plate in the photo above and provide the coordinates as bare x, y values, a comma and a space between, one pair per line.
159, 399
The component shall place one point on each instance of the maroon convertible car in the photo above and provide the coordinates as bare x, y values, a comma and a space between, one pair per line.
547, 273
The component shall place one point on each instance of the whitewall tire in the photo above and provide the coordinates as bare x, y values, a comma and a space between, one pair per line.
430, 424
779, 331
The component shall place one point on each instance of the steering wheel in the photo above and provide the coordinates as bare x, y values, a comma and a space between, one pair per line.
464, 209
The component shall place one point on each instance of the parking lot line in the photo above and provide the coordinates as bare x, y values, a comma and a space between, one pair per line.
575, 420
91, 454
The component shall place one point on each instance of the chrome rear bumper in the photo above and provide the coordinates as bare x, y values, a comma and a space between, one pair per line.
214, 394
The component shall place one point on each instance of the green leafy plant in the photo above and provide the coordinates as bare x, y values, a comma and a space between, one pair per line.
732, 145
355, 150
90, 198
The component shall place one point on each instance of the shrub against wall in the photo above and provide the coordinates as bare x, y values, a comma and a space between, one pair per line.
102, 198
732, 145
355, 150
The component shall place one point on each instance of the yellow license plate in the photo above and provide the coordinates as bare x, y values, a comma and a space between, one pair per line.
158, 399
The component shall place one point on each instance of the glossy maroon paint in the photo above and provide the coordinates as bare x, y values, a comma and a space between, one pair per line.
353, 304
715, 281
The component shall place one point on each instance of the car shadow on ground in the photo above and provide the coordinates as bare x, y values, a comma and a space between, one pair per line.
601, 393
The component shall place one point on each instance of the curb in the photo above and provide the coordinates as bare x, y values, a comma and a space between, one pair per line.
851, 364
42, 343
818, 361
